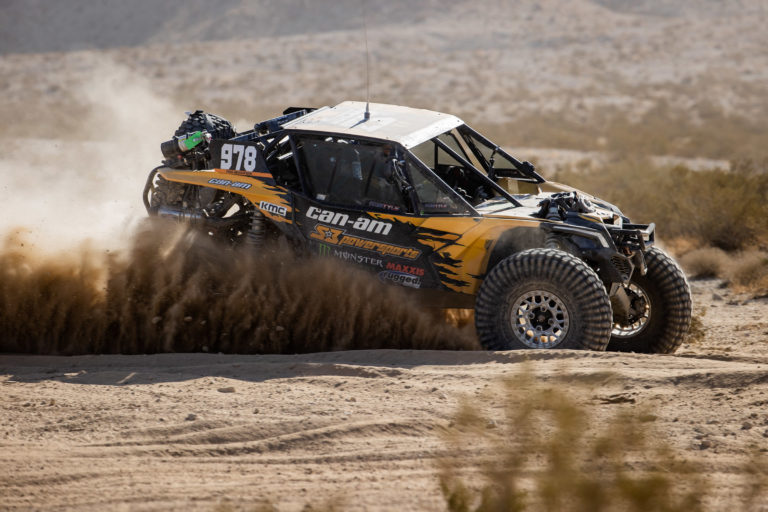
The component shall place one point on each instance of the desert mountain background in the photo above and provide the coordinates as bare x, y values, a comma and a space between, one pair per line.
575, 75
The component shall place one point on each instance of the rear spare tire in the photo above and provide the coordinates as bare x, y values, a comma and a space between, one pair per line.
543, 298
661, 308
218, 127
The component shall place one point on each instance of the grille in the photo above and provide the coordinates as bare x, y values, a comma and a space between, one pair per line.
623, 265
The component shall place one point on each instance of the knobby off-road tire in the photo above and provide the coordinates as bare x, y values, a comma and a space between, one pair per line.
218, 127
666, 319
547, 289
166, 193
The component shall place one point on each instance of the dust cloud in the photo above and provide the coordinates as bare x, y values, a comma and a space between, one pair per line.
84, 271
64, 187
176, 290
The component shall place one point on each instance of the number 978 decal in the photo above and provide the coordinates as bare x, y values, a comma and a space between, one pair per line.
237, 156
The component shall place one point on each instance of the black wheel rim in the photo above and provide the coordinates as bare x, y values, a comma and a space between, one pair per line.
639, 316
539, 319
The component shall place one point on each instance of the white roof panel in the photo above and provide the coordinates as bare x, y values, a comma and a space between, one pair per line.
408, 126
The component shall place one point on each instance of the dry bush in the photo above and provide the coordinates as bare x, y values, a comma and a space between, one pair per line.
749, 273
549, 453
717, 208
744, 271
703, 263
679, 245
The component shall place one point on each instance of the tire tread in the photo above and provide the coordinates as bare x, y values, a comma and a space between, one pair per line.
568, 272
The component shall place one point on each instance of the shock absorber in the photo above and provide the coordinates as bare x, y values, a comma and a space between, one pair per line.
256, 230
552, 240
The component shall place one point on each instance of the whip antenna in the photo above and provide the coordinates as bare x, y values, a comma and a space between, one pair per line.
367, 115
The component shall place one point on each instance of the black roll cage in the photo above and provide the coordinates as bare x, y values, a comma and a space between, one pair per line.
275, 133
525, 168
488, 181
399, 150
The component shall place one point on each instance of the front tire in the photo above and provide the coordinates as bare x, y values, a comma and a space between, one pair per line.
661, 309
543, 298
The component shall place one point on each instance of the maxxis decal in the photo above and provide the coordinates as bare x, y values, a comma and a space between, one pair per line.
405, 269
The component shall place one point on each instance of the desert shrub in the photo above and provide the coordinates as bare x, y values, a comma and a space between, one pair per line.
723, 209
745, 271
749, 272
706, 262
549, 453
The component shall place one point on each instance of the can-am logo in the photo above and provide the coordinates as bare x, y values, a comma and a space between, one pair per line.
400, 278
228, 183
342, 219
273, 208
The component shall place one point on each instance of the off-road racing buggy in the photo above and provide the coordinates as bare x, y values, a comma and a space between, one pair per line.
430, 204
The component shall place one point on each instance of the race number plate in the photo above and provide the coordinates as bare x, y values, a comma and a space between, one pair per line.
237, 157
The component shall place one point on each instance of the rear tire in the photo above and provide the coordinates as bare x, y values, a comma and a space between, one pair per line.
667, 316
543, 298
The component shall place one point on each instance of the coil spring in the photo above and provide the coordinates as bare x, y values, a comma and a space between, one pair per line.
256, 231
552, 241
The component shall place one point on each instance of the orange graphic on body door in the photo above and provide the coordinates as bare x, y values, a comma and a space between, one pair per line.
326, 234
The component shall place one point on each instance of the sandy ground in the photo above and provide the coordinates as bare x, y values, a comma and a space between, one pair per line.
201, 431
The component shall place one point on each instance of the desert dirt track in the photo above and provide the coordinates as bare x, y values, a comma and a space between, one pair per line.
358, 428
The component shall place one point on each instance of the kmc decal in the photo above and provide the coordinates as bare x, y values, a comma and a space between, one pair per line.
273, 208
